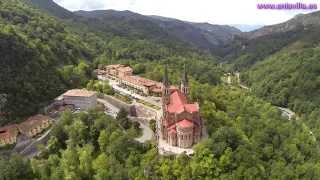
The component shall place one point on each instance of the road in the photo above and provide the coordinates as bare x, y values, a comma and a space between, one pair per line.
32, 149
110, 109
147, 133
244, 87
286, 112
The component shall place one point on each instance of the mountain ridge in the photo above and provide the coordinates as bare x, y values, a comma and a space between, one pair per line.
203, 36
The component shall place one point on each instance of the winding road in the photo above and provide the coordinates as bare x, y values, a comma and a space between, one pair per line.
147, 133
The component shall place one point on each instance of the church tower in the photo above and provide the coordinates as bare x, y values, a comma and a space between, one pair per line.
184, 87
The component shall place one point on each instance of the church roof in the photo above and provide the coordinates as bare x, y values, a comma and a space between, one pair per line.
185, 123
178, 103
172, 131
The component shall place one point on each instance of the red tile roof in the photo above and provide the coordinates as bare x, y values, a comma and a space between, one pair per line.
178, 103
191, 108
172, 131
172, 126
140, 81
185, 123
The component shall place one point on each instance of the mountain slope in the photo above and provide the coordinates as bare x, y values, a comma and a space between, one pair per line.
251, 47
202, 35
52, 8
132, 25
206, 35
299, 21
281, 63
34, 48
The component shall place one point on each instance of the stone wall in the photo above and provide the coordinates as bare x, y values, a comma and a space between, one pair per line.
117, 103
139, 110
145, 112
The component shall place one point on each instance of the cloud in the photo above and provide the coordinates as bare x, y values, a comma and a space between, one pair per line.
212, 11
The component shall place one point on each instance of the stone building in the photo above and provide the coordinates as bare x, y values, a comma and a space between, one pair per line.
124, 76
8, 134
142, 85
34, 125
116, 71
181, 124
80, 98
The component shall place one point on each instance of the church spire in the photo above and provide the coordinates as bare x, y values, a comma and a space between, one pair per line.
184, 81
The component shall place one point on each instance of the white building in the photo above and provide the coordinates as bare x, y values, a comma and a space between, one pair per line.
80, 98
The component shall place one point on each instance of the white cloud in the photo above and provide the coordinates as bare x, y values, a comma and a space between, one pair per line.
212, 11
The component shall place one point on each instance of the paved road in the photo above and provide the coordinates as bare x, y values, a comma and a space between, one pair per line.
287, 112
147, 134
32, 149
111, 109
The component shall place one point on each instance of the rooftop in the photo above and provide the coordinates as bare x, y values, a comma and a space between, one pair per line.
32, 122
114, 66
185, 123
80, 93
178, 103
140, 81
125, 69
8, 131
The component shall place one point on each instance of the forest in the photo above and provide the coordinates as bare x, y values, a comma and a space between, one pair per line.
248, 139
289, 77
43, 56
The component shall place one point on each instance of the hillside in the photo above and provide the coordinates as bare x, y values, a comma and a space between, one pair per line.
35, 48
250, 47
280, 62
201, 35
290, 77
299, 21
204, 36
52, 8
44, 56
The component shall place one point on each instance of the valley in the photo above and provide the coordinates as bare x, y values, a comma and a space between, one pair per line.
180, 85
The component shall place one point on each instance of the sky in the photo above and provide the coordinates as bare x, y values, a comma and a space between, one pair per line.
211, 11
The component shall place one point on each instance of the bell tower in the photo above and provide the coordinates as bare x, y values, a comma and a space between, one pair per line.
184, 87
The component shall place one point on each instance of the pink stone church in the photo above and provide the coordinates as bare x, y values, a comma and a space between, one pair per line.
181, 124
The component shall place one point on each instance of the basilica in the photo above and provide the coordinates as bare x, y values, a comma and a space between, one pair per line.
180, 124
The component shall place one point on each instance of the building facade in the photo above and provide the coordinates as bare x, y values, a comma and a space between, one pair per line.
124, 76
80, 98
181, 124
